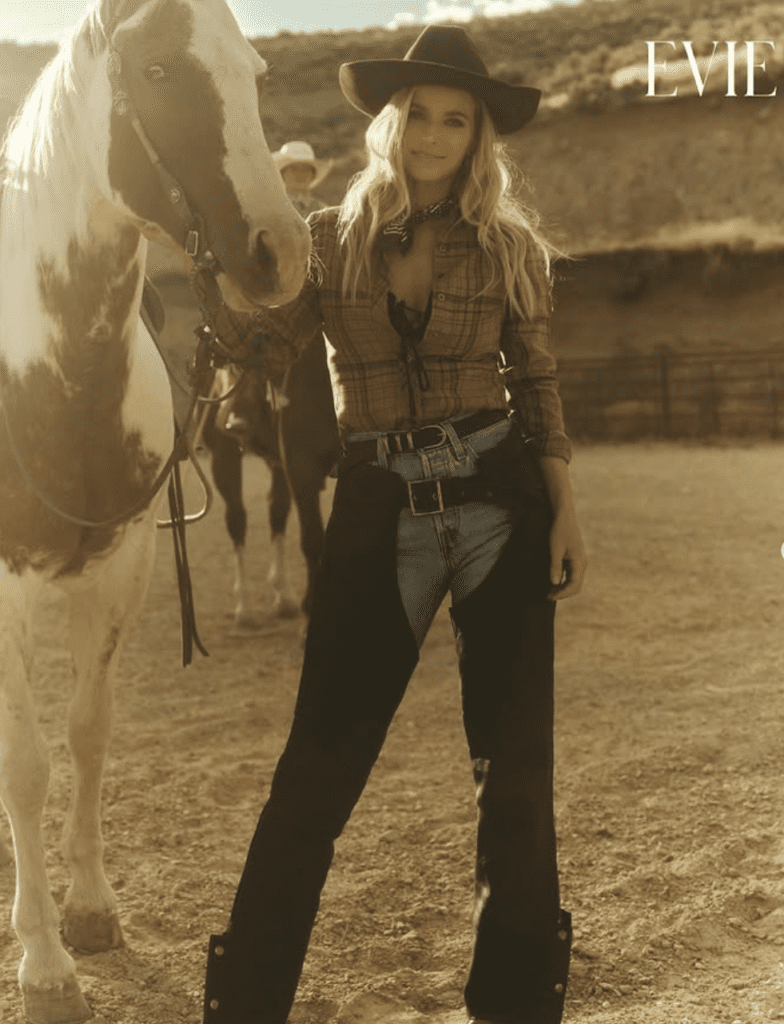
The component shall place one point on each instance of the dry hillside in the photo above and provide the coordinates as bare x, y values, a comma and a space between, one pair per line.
605, 164
570, 51
610, 170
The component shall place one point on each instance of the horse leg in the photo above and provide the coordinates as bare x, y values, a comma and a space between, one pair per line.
307, 482
285, 603
227, 474
101, 615
47, 975
310, 445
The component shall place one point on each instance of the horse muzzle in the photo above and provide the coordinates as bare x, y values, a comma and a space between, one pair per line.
274, 272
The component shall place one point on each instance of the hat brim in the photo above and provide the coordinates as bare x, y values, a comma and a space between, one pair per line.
369, 85
321, 167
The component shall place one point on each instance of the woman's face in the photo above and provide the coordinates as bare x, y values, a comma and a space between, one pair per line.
438, 133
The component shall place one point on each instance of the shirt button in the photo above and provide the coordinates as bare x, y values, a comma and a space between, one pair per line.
442, 248
559, 988
219, 951
214, 1004
441, 296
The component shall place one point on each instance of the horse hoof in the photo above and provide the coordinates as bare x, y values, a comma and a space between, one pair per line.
93, 932
60, 1005
248, 623
285, 608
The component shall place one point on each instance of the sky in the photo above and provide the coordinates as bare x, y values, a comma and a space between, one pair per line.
27, 21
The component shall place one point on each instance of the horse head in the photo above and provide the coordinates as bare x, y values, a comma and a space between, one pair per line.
187, 155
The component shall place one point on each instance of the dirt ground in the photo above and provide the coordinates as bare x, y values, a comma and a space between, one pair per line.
669, 744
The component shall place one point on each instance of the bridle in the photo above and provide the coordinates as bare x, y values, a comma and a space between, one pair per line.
232, 341
194, 236
226, 338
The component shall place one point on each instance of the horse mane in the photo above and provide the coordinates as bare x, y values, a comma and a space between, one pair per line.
45, 138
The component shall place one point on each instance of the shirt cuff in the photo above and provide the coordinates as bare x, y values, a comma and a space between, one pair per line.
555, 444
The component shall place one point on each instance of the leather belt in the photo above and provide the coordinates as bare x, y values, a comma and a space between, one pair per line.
432, 436
427, 497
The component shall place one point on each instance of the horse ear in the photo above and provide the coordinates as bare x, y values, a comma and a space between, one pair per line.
115, 11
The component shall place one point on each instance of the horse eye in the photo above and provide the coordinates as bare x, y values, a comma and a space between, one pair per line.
154, 73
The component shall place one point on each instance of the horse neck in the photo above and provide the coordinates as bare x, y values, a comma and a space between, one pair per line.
62, 241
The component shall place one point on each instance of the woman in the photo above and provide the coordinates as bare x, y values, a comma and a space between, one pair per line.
301, 172
431, 281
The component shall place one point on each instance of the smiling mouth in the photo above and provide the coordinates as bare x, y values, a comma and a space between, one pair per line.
425, 156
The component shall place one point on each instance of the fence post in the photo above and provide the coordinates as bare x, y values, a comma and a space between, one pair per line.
663, 356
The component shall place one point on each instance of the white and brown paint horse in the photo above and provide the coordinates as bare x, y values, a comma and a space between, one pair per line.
87, 418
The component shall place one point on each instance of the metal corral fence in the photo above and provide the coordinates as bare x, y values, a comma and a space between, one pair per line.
675, 394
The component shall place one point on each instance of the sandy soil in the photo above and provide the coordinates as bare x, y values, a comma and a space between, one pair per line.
669, 743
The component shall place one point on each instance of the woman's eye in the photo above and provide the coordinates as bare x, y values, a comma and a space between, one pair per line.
154, 73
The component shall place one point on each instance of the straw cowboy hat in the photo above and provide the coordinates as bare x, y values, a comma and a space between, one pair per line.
302, 153
442, 55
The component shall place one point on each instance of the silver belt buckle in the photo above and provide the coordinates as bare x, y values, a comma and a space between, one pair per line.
430, 512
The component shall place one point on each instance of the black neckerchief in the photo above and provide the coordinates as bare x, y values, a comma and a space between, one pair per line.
400, 233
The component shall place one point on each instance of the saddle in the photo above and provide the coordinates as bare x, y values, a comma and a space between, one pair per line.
153, 305
248, 415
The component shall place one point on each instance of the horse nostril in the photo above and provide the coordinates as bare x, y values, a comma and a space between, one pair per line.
267, 260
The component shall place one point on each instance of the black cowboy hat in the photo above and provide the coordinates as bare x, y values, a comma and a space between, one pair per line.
441, 55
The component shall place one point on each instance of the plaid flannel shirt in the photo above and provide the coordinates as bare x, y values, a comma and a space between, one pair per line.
476, 353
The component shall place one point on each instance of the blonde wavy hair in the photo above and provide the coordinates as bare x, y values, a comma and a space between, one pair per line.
487, 185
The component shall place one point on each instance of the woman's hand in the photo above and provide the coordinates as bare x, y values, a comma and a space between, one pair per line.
568, 560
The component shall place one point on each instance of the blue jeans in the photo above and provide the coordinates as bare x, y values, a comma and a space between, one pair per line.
449, 551
361, 650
